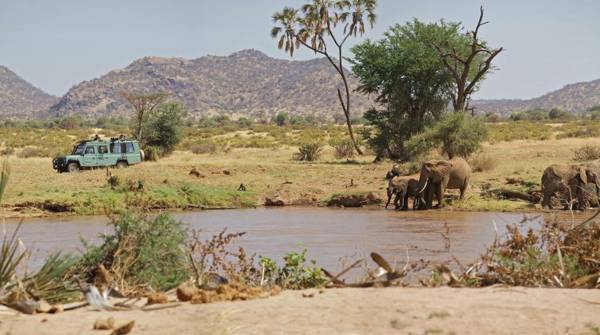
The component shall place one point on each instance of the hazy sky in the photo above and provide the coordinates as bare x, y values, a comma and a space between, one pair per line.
56, 44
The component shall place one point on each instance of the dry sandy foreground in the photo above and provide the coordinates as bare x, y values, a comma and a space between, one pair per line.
495, 310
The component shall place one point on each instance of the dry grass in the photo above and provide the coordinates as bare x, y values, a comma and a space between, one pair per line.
268, 172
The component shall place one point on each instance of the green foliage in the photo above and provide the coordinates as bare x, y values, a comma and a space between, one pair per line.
522, 130
54, 282
153, 153
282, 118
579, 129
405, 73
10, 257
595, 114
531, 115
295, 274
163, 128
457, 134
309, 152
143, 251
4, 173
560, 115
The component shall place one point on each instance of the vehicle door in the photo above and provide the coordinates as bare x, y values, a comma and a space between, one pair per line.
89, 158
103, 155
131, 154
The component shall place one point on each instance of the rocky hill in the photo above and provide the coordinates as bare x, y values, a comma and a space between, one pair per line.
246, 83
574, 98
18, 98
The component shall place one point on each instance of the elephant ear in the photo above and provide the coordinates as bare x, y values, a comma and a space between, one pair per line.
583, 175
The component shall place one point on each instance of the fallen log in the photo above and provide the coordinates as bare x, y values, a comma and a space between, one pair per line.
510, 194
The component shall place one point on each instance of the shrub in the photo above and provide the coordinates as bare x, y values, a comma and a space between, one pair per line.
309, 152
294, 274
456, 134
587, 152
30, 152
7, 151
281, 119
143, 253
113, 181
153, 153
482, 163
344, 148
206, 147
164, 126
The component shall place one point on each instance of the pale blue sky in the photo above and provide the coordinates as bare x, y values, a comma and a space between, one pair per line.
56, 44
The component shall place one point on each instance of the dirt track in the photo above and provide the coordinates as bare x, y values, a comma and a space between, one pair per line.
496, 310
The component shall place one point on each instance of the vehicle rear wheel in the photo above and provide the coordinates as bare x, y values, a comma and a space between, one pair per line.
73, 167
122, 164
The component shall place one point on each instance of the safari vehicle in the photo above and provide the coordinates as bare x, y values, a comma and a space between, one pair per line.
89, 154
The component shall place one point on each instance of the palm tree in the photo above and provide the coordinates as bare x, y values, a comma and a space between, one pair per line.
322, 23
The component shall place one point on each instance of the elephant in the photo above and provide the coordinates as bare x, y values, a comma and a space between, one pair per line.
572, 182
403, 187
438, 175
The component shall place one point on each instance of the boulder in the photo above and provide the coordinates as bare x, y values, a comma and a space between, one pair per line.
274, 202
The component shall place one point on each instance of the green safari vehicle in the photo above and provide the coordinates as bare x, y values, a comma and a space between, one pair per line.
89, 154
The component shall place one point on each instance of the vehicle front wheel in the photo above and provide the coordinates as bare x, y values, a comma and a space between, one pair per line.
73, 167
122, 164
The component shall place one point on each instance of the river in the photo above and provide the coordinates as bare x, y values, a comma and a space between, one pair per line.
331, 236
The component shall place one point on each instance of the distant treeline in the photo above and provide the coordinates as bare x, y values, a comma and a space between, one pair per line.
217, 121
540, 114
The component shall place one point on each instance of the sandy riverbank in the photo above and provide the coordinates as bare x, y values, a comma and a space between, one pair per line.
494, 310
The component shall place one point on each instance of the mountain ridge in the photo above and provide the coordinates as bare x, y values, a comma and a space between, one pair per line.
19, 98
247, 82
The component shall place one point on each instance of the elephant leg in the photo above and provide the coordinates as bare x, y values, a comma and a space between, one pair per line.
405, 202
389, 197
440, 195
398, 201
547, 200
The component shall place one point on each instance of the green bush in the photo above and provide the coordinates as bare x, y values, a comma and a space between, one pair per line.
164, 127
309, 152
456, 134
294, 274
153, 153
144, 252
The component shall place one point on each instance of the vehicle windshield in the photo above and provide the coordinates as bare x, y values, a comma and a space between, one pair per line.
78, 149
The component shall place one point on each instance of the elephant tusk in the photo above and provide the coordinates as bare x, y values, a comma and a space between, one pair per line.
424, 186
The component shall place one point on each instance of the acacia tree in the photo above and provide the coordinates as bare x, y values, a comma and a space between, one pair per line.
143, 104
469, 65
324, 26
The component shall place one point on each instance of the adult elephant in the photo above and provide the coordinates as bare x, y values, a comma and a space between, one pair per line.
438, 175
572, 182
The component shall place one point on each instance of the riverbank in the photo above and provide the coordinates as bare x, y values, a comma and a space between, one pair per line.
36, 190
492, 310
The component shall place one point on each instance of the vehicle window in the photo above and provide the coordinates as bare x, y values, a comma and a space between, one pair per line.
103, 149
129, 148
115, 148
123, 149
78, 150
89, 151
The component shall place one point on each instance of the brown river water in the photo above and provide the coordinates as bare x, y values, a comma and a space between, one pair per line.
331, 236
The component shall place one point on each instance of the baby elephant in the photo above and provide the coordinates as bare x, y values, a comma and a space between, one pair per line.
403, 187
